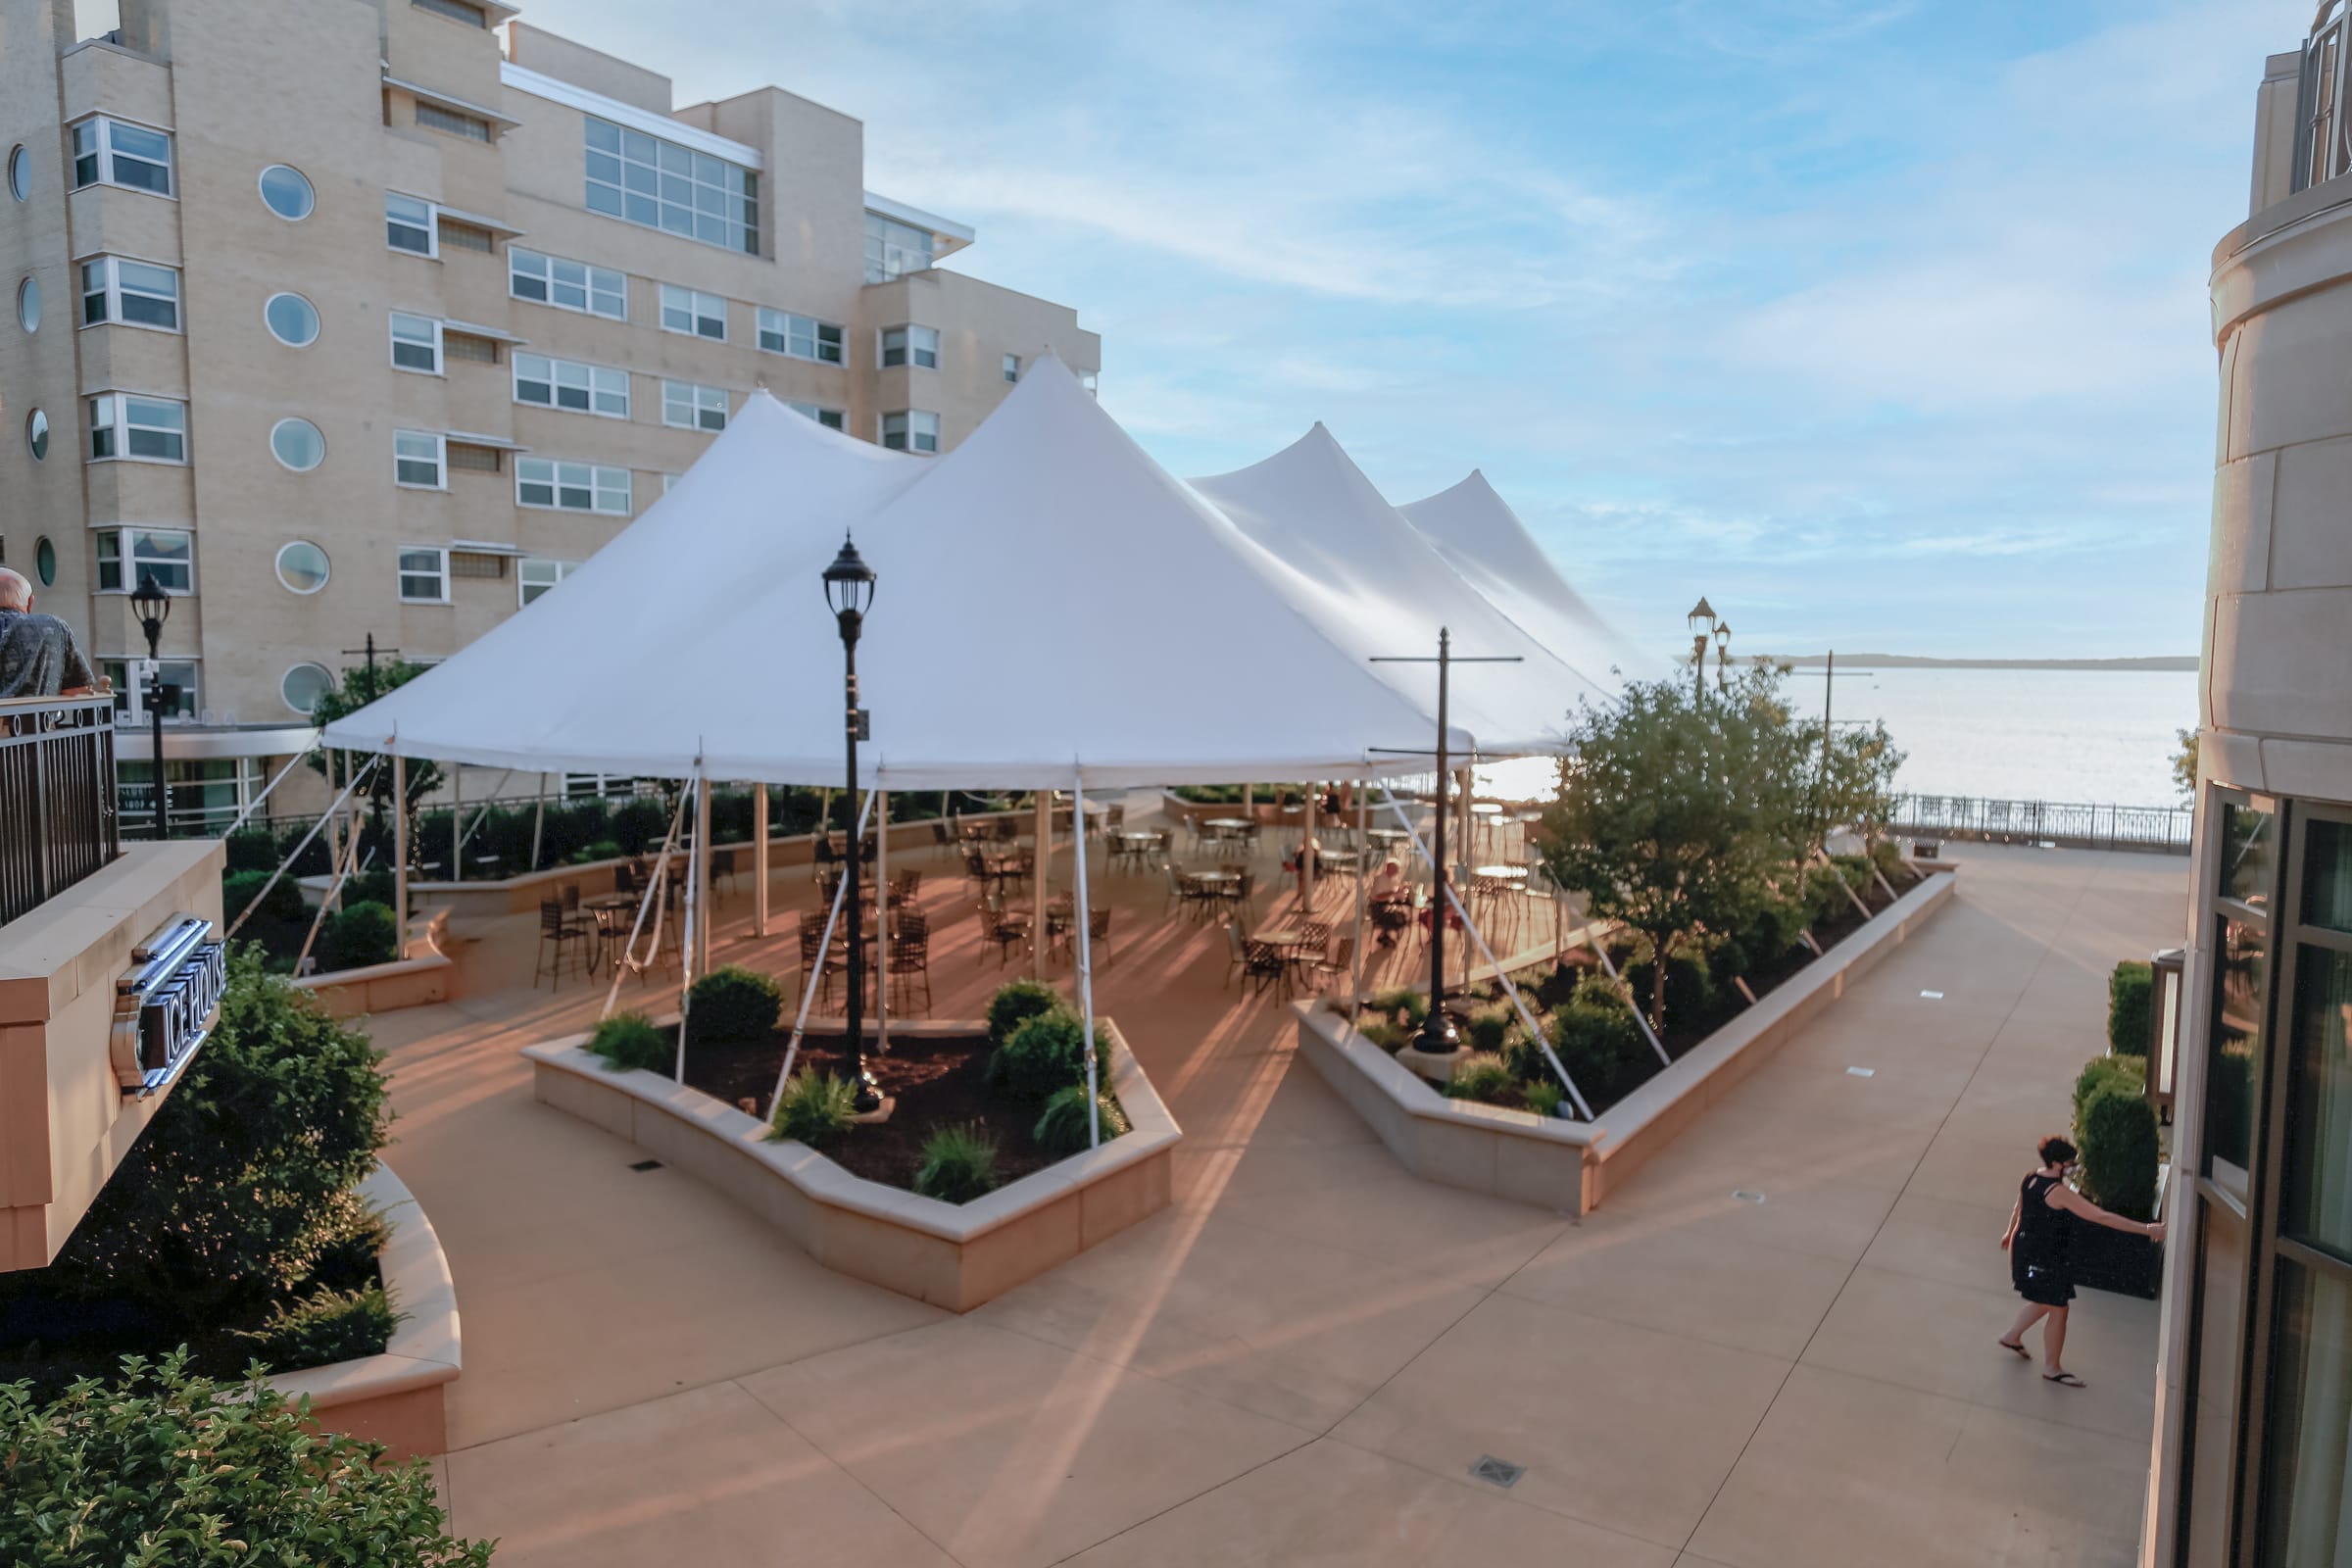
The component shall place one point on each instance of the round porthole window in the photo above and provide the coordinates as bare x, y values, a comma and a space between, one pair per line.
302, 568
37, 434
288, 193
44, 563
298, 445
28, 304
303, 686
293, 320
20, 174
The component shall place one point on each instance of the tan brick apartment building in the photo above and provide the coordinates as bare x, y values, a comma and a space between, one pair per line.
344, 320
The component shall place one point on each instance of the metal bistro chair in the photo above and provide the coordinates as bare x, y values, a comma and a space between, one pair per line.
564, 929
836, 957
903, 885
1335, 965
909, 960
722, 865
1005, 928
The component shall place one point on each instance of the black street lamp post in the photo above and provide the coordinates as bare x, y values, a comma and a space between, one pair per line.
849, 590
1702, 624
153, 605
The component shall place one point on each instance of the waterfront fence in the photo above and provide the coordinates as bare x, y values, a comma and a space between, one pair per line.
2164, 829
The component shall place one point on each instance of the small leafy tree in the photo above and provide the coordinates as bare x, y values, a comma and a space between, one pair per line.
2185, 762
1854, 783
165, 1468
1680, 811
361, 686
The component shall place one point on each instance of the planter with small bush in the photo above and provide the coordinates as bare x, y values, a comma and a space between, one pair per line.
2121, 1146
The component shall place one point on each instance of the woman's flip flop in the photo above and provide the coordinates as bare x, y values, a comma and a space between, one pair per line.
2063, 1380
2022, 1353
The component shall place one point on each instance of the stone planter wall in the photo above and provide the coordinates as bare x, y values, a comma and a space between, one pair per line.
949, 1254
396, 1398
1572, 1166
424, 975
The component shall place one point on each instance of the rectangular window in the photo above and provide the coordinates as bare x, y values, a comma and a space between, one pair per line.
466, 236
466, 458
450, 123
660, 185
115, 152
124, 425
686, 310
571, 386
830, 418
1013, 368
465, 346
2233, 1063
420, 459
455, 10
423, 576
910, 430
117, 289
694, 407
572, 486
2317, 1204
538, 576
408, 224
131, 703
126, 555
803, 337
892, 248
415, 343
2248, 852
909, 345
567, 284
2306, 1505
482, 565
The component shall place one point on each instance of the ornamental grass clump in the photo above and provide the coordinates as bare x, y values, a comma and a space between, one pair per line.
629, 1040
815, 1109
959, 1164
1062, 1126
161, 1467
1543, 1096
1488, 1027
732, 1004
1480, 1076
328, 1327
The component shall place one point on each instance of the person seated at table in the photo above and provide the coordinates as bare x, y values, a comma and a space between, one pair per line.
1391, 900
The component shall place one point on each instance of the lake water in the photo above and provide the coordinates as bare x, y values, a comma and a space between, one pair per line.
2103, 737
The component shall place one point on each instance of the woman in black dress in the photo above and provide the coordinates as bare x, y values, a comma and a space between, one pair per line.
2038, 1266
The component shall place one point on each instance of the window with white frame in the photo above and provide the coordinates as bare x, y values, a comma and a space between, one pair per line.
130, 692
124, 425
126, 555
118, 289
830, 418
803, 337
572, 486
910, 430
420, 459
415, 343
651, 180
892, 248
1013, 368
690, 311
694, 407
574, 388
537, 576
410, 226
567, 284
909, 345
116, 152
424, 574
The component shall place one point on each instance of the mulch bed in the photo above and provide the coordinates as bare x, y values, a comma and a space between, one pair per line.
939, 1080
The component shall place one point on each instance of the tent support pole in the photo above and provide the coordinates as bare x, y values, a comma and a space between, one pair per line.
650, 899
1037, 884
1082, 922
760, 860
699, 876
399, 854
457, 821
332, 822
881, 922
800, 1022
1363, 811
538, 820
1306, 863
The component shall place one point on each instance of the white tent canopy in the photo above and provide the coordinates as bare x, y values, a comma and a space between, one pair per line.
1050, 605
1478, 534
1377, 587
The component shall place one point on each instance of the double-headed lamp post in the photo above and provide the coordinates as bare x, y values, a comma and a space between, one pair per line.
1703, 627
153, 605
849, 590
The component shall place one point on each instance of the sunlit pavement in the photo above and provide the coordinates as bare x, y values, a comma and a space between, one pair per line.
1301, 1361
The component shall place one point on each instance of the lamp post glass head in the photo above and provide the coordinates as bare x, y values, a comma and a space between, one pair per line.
1703, 616
152, 605
849, 585
1723, 635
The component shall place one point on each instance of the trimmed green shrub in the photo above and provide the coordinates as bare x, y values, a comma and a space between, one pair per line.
1046, 1053
1856, 869
959, 1164
282, 906
251, 848
1061, 1127
162, 1467
629, 1040
600, 850
1016, 1004
1888, 858
2119, 1153
369, 887
1600, 1042
2129, 991
815, 1109
237, 1183
640, 824
1487, 1027
1544, 1095
328, 1327
363, 934
1481, 1075
1825, 895
2125, 1073
732, 1002
1689, 987
1765, 938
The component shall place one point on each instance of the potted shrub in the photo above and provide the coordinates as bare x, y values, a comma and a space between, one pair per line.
2119, 1147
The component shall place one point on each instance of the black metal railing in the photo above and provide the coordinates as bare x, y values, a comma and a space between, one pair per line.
2160, 828
57, 796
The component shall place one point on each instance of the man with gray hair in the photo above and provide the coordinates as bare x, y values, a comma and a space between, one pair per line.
38, 657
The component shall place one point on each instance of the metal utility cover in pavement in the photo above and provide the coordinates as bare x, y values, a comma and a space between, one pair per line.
647, 1164
1746, 1196
1502, 1472
1861, 1072
1932, 995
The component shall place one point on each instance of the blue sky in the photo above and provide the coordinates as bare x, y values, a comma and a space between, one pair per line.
1882, 324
